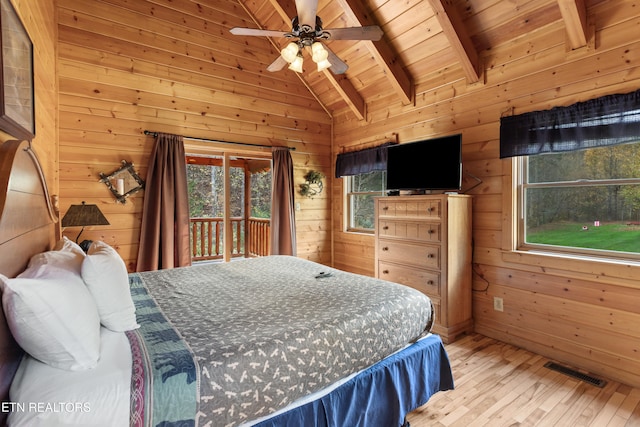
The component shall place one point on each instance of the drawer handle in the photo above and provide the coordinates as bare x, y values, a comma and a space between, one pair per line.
430, 210
430, 282
431, 256
430, 231
385, 208
385, 248
385, 271
386, 227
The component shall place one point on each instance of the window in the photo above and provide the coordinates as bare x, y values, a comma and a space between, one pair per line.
585, 201
249, 202
579, 176
205, 180
365, 173
360, 191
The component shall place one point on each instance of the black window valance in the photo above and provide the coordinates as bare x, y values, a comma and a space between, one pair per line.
609, 120
362, 161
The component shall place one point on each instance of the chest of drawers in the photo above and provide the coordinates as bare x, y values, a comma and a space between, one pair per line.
425, 242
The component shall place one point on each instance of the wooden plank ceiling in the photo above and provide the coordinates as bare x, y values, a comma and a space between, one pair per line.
423, 39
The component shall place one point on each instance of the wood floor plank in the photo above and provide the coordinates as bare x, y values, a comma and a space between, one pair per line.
497, 384
625, 412
608, 412
547, 384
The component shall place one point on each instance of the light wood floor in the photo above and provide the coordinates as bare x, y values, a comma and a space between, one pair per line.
497, 384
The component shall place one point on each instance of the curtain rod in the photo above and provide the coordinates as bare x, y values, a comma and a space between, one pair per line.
155, 134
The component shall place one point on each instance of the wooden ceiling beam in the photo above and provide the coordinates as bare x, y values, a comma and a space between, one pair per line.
287, 10
349, 93
382, 52
454, 30
574, 14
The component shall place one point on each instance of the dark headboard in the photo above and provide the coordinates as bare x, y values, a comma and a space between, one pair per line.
27, 227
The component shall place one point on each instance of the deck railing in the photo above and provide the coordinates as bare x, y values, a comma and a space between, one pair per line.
207, 236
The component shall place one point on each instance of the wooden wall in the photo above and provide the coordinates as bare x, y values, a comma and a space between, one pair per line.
39, 21
584, 313
171, 66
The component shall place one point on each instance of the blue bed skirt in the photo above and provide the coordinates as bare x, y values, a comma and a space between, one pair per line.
381, 395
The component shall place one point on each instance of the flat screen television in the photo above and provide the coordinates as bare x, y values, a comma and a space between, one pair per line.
432, 164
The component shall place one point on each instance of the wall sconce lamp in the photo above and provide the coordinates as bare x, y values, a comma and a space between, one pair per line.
123, 182
313, 184
82, 216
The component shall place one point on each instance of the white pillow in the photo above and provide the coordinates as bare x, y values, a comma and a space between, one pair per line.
53, 397
66, 254
52, 316
65, 244
105, 274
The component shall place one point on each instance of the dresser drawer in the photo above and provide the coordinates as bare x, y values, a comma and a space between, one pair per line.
418, 255
414, 230
431, 209
426, 281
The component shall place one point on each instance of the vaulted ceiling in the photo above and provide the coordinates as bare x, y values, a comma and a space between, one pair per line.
426, 43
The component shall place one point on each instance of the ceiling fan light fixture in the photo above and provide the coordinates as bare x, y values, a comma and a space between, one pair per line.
318, 52
318, 48
296, 65
290, 52
320, 56
324, 64
310, 36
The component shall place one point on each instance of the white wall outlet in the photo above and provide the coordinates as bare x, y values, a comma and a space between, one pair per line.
497, 304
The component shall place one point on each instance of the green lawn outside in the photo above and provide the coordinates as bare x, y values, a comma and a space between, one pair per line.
609, 236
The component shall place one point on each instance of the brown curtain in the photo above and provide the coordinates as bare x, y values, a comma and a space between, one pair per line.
283, 221
164, 235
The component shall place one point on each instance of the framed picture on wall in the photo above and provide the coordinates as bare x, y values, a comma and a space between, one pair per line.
17, 115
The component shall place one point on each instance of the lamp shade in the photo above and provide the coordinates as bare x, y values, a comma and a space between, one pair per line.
320, 56
290, 52
324, 64
296, 65
83, 215
319, 52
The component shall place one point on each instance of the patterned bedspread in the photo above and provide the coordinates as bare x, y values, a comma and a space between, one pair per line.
266, 331
164, 382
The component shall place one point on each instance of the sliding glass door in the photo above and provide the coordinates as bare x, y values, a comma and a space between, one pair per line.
233, 223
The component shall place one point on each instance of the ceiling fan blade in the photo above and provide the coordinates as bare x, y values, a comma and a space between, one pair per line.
277, 65
255, 32
371, 32
307, 10
338, 66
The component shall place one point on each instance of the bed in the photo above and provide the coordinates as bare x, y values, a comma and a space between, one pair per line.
271, 341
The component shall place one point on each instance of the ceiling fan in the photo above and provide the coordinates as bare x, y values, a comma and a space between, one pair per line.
307, 32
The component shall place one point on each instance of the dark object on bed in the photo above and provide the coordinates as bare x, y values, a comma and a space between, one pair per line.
85, 245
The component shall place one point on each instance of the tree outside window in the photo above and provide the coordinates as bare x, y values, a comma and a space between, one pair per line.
361, 191
205, 184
